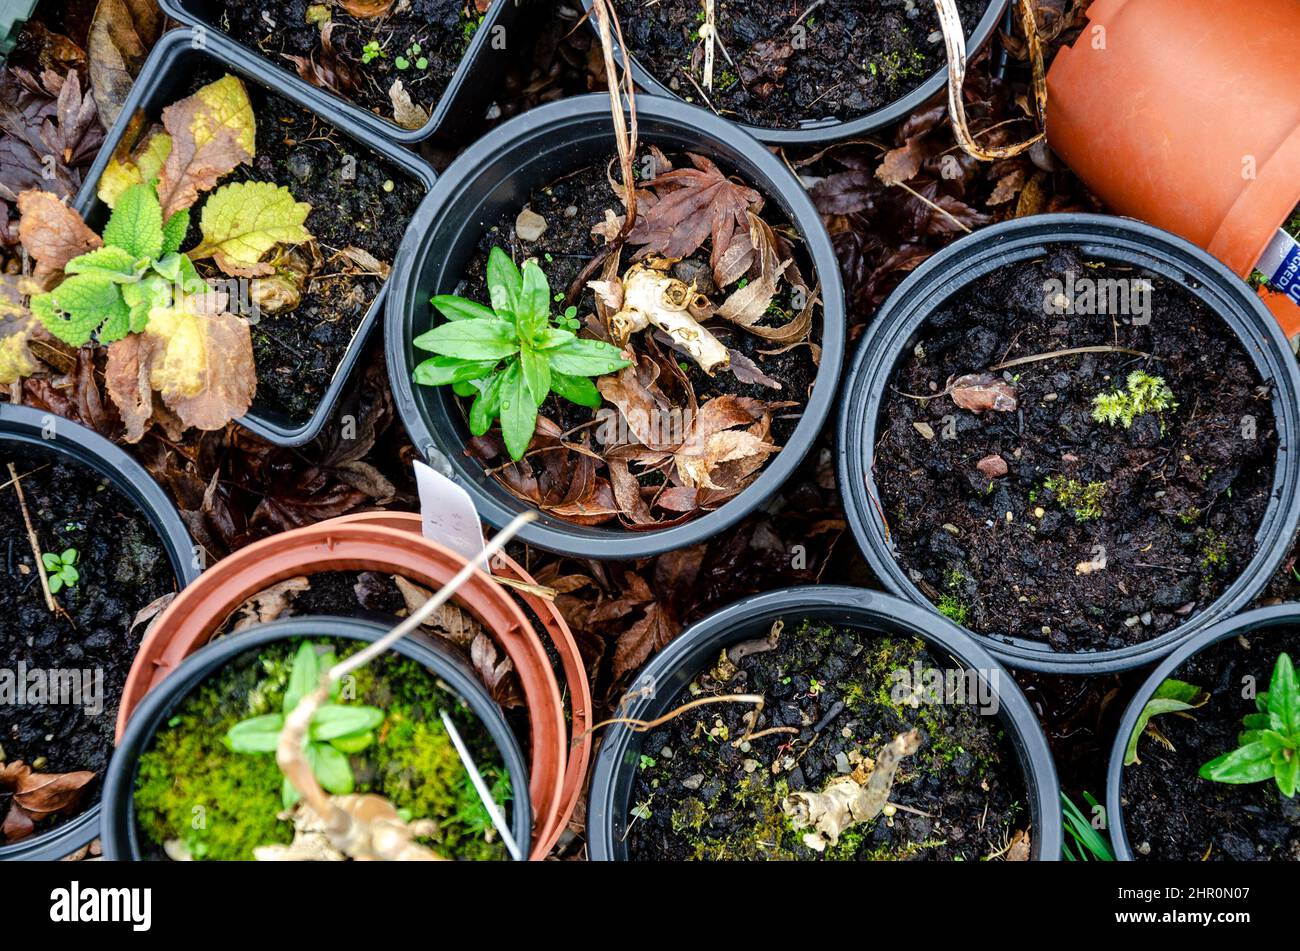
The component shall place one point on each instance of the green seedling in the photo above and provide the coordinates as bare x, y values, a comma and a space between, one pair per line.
336, 730
1172, 696
371, 51
1269, 747
1084, 842
60, 570
1143, 393
511, 355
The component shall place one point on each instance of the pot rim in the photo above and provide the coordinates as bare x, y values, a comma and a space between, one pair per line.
572, 116
1035, 758
1123, 239
824, 131
119, 833
575, 672
1286, 615
191, 619
28, 425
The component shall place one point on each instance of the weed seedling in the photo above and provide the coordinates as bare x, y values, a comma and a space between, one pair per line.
1269, 747
371, 51
60, 570
1143, 393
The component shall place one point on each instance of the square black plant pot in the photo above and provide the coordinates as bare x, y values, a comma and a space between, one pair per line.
166, 77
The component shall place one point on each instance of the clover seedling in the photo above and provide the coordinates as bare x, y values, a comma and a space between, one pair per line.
60, 570
1270, 745
336, 730
511, 355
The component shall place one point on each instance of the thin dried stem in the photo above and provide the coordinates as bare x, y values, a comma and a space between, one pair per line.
709, 32
14, 480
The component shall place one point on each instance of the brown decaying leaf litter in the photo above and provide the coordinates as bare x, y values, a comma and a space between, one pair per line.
889, 204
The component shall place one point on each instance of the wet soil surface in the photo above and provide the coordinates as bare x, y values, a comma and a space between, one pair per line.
123, 567
571, 206
699, 796
1181, 492
786, 63
1170, 812
357, 200
442, 30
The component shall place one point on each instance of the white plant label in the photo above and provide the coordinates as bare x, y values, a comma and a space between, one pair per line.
447, 514
1281, 265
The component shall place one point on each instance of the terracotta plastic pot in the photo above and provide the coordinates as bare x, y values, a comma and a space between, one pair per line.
579, 703
1186, 114
199, 611
121, 838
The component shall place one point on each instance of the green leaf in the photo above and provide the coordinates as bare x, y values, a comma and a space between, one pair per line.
1251, 763
1288, 775
487, 405
354, 742
116, 264
136, 223
331, 768
69, 556
334, 721
144, 295
471, 339
440, 371
69, 574
50, 561
1284, 697
289, 795
505, 283
256, 734
536, 368
174, 231
576, 389
586, 358
518, 412
243, 221
460, 308
1172, 696
534, 306
1094, 844
465, 388
303, 678
55, 583
78, 306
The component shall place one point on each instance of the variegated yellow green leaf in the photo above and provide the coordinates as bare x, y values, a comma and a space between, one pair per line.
212, 131
242, 222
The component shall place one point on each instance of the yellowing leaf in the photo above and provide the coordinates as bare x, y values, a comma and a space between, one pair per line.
144, 166
212, 131
197, 357
242, 222
16, 360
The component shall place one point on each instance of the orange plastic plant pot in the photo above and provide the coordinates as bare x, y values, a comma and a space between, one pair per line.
200, 610
1186, 114
575, 674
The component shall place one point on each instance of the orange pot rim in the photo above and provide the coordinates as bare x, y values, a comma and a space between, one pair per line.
192, 618
575, 672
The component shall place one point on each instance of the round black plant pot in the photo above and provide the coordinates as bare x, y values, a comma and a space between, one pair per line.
119, 834
819, 132
657, 687
1280, 616
496, 175
901, 321
163, 79
23, 424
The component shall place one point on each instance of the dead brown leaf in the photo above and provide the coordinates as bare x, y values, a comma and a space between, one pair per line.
212, 132
979, 392
52, 233
121, 35
270, 603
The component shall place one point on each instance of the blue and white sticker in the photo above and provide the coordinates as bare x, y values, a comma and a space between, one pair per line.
1281, 265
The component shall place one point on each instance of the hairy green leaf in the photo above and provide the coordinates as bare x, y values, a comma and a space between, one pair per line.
117, 264
136, 224
243, 221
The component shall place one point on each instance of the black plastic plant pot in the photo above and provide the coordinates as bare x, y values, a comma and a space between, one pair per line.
657, 687
164, 78
496, 175
900, 323
818, 132
23, 424
1259, 626
120, 836
465, 99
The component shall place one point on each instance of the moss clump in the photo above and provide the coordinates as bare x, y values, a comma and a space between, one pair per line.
221, 804
1083, 501
1214, 552
953, 608
1143, 393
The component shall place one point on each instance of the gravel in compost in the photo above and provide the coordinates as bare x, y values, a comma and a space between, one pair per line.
1170, 812
1184, 490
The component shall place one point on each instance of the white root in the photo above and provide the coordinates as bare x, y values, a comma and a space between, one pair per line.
848, 800
649, 296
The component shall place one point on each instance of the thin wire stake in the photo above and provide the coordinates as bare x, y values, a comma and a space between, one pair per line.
480, 787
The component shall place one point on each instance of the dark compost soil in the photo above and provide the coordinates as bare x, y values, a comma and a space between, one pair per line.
123, 567
571, 206
411, 761
1180, 507
357, 200
441, 28
1170, 812
788, 62
698, 796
